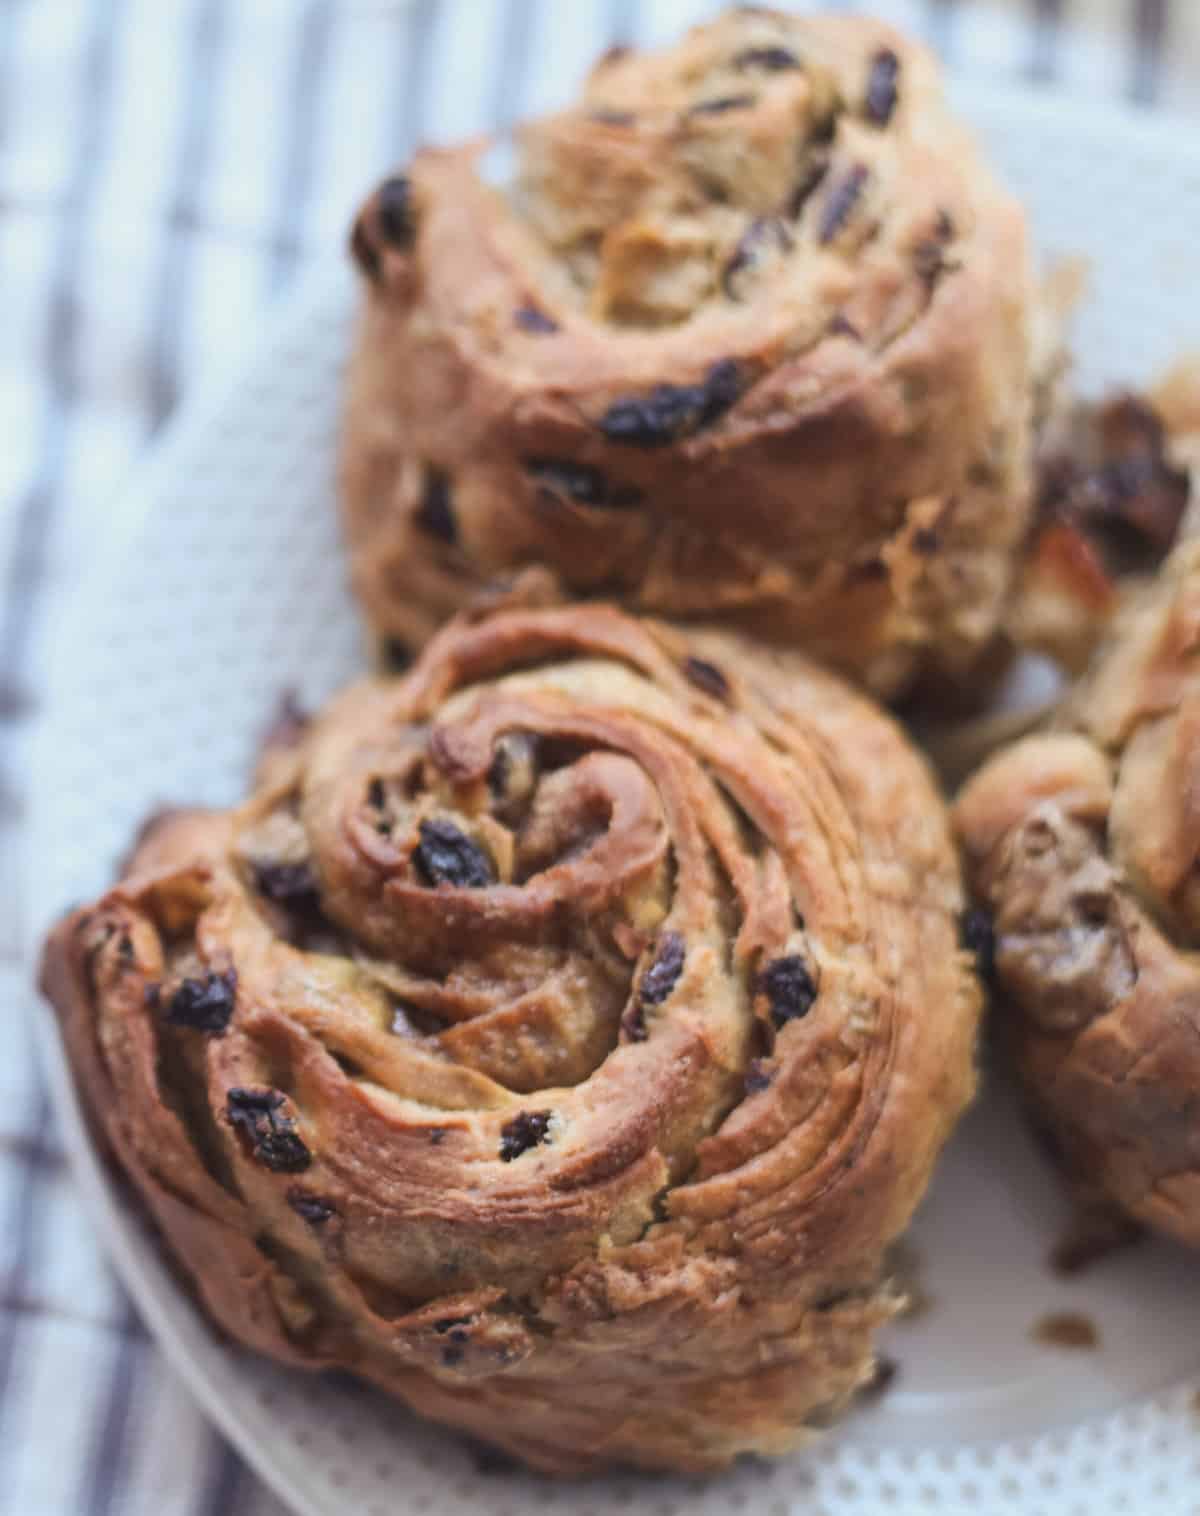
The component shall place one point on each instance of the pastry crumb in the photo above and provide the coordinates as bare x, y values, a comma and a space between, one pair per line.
1067, 1329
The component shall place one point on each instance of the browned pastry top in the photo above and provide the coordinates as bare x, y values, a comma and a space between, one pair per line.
1084, 842
746, 339
558, 1037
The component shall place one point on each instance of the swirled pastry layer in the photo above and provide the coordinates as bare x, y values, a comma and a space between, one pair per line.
557, 1037
747, 341
1083, 843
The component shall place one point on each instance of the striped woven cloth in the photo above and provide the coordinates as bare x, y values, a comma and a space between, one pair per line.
166, 169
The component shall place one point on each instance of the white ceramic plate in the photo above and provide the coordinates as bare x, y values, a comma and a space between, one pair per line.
223, 585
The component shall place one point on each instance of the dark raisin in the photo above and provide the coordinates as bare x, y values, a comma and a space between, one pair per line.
523, 1132
841, 326
978, 937
453, 1355
446, 855
435, 514
125, 949
606, 117
1066, 492
810, 181
205, 1005
1136, 486
707, 677
633, 1022
1122, 479
659, 979
437, 1135
364, 251
719, 106
929, 256
790, 989
310, 1208
397, 655
772, 60
396, 218
581, 483
290, 884
841, 201
926, 541
882, 92
751, 247
530, 319
758, 1077
673, 411
271, 1135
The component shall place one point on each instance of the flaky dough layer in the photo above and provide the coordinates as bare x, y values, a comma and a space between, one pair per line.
558, 1037
1084, 842
747, 341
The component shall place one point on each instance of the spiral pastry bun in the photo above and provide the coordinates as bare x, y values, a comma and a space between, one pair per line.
557, 1038
1083, 842
748, 341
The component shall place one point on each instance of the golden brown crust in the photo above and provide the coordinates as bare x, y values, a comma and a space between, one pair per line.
747, 343
558, 1037
1084, 843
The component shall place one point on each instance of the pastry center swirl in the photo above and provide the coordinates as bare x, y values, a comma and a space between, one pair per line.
530, 879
